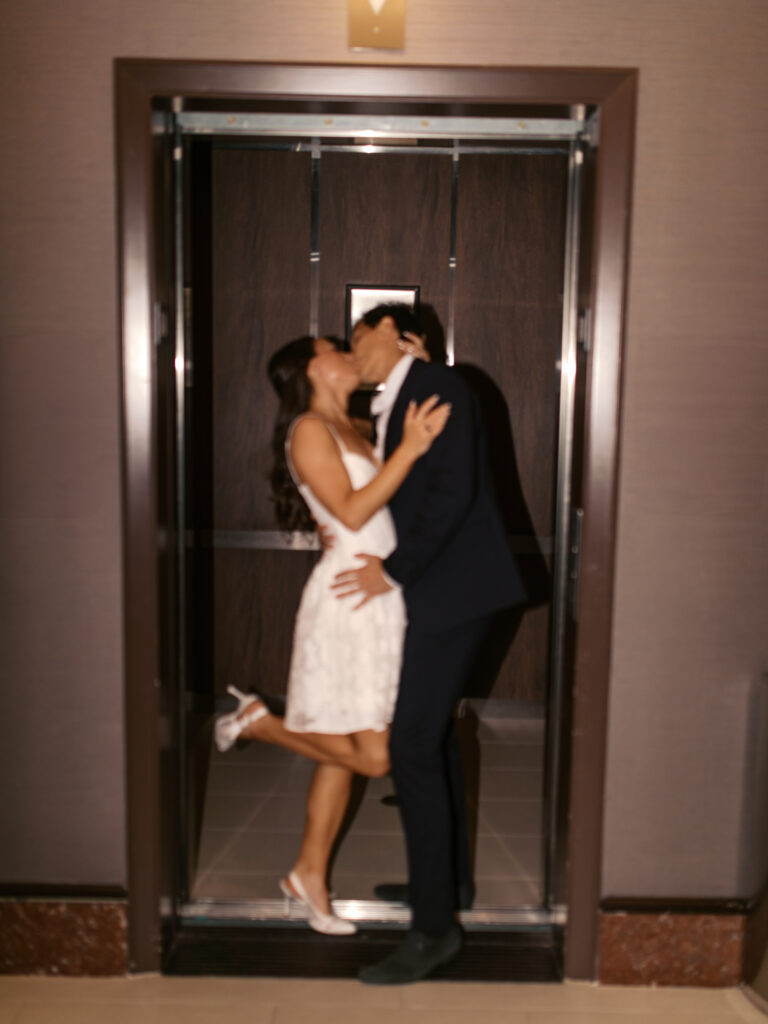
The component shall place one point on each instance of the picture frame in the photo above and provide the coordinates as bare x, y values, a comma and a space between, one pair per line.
362, 297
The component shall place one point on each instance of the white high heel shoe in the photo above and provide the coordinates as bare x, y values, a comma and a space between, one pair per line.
228, 727
328, 924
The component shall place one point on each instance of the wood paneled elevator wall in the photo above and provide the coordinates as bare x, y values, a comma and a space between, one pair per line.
383, 218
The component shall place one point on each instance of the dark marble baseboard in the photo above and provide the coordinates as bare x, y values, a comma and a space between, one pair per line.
64, 937
689, 949
82, 937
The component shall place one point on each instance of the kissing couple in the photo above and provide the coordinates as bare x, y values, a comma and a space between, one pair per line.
415, 565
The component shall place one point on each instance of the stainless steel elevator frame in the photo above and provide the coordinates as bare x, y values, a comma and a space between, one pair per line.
375, 134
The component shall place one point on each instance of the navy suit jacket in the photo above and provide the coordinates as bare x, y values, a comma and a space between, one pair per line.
452, 556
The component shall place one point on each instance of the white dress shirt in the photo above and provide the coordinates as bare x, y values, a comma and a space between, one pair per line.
383, 401
381, 407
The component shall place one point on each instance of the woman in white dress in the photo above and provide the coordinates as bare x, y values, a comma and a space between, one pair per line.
345, 663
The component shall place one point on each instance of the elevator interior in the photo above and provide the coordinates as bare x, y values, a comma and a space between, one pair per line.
274, 215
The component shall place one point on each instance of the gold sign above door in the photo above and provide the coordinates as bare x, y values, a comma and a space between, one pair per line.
376, 24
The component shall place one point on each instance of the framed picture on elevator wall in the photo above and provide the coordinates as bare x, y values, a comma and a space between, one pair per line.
362, 297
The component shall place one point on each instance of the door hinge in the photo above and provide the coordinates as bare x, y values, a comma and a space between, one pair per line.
161, 322
584, 330
574, 560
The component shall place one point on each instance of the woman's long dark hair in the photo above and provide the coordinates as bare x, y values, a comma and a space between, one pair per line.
287, 371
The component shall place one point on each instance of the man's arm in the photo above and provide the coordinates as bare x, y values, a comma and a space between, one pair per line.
450, 468
369, 581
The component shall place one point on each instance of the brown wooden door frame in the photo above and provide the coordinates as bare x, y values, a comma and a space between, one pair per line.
142, 84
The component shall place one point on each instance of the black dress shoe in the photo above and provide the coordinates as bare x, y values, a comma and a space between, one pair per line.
414, 958
397, 892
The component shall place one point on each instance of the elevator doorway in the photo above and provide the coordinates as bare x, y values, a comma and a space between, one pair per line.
164, 763
277, 216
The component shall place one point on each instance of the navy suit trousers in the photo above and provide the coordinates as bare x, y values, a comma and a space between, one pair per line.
426, 766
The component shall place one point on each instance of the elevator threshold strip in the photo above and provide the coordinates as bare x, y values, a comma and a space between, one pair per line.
370, 913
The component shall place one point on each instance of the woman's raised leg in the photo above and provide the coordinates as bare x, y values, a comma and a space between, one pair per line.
365, 753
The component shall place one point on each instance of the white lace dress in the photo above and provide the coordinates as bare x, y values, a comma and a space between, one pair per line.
345, 664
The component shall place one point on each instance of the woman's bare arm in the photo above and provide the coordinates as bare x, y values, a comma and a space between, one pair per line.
317, 460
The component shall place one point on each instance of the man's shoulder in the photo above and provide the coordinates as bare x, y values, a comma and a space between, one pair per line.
427, 378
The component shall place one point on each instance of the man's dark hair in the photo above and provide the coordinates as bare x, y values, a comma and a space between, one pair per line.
404, 317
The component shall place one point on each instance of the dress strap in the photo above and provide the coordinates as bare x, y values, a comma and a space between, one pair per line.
336, 436
331, 430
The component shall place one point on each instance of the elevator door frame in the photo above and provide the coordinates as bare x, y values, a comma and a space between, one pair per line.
144, 85
461, 137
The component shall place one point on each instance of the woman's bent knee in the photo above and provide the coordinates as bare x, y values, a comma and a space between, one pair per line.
377, 765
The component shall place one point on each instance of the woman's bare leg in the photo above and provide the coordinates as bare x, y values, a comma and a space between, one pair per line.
365, 753
327, 801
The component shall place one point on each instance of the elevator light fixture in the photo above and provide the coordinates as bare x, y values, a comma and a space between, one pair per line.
376, 24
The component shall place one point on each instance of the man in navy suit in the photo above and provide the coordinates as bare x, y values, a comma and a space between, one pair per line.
456, 569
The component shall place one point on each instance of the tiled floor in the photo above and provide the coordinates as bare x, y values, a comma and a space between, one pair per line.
149, 999
255, 804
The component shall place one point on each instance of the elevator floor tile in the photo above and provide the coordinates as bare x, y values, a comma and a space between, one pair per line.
254, 816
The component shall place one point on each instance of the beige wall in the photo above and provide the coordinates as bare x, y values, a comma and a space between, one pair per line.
691, 606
